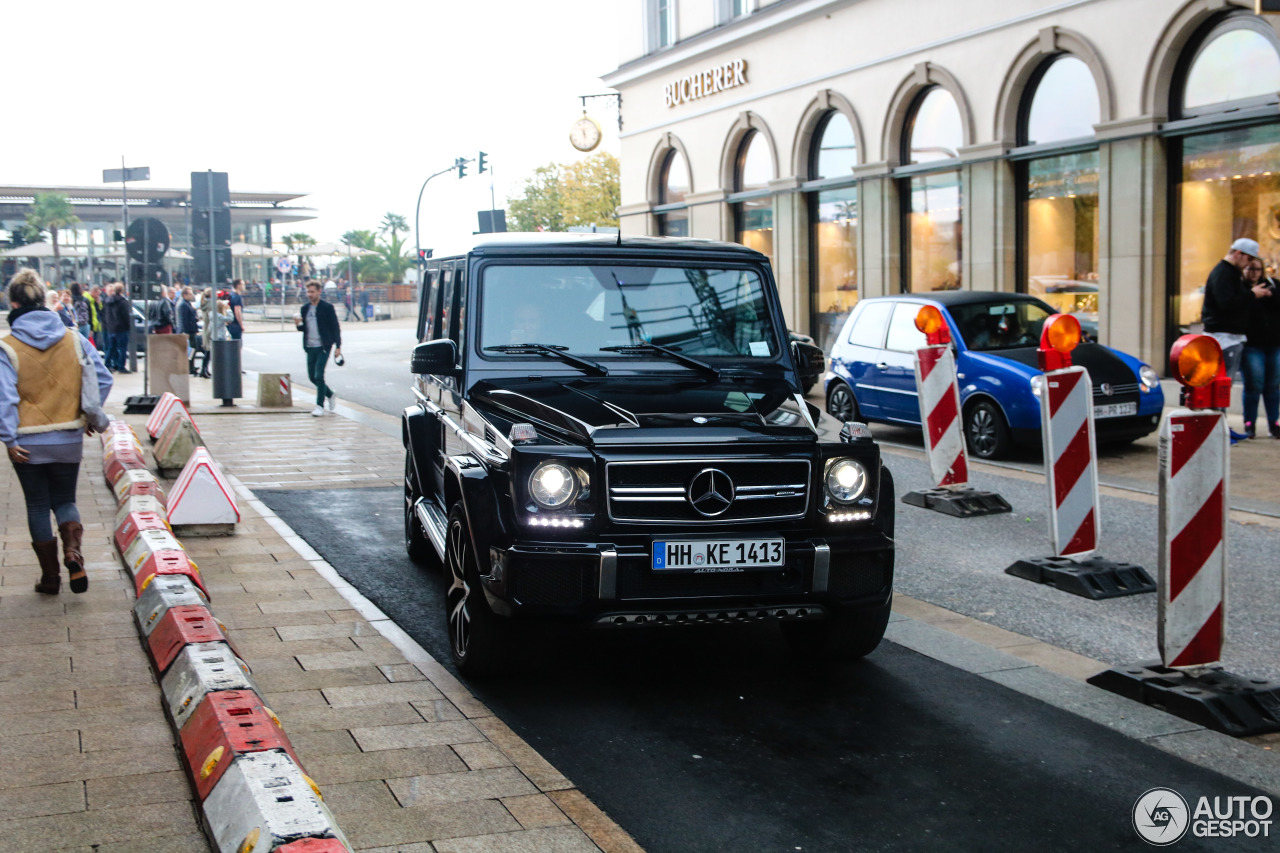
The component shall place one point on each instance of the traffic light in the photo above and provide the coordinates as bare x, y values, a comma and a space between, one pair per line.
462, 167
423, 254
482, 166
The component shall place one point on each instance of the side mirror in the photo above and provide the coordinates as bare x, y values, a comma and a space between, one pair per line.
809, 360
438, 358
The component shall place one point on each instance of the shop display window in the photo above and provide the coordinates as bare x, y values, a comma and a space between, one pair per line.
835, 261
1229, 188
753, 218
1062, 235
935, 223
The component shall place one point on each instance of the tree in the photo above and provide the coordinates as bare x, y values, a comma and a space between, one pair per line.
49, 212
590, 191
366, 268
541, 207
585, 192
394, 223
298, 241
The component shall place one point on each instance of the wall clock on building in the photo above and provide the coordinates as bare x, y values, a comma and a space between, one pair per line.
585, 134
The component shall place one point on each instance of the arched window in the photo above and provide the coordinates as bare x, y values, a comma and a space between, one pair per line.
753, 215
933, 202
934, 130
835, 152
673, 186
1236, 62
1058, 220
833, 214
1063, 102
1229, 186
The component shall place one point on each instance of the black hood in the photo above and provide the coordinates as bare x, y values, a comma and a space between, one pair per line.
676, 409
1103, 365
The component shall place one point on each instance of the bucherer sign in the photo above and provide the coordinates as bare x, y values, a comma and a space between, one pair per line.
704, 83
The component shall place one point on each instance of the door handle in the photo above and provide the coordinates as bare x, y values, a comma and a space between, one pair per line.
882, 365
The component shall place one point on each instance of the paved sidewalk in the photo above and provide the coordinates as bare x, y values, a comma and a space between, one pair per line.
407, 759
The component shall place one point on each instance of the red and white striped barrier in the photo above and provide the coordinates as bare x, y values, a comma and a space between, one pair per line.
198, 671
264, 801
285, 393
136, 522
940, 414
167, 407
202, 495
138, 482
1193, 544
139, 503
226, 725
1066, 412
165, 592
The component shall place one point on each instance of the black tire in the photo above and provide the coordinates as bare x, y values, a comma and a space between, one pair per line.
478, 640
841, 404
416, 543
847, 636
986, 431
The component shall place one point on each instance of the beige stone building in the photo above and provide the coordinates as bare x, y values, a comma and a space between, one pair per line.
1101, 154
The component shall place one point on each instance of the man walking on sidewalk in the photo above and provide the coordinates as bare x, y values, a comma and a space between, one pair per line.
116, 320
318, 323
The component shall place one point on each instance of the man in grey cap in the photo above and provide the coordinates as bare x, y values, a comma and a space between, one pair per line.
1228, 302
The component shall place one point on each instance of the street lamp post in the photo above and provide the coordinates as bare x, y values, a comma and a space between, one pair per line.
417, 217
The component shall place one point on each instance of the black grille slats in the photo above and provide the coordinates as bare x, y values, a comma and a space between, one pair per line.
657, 492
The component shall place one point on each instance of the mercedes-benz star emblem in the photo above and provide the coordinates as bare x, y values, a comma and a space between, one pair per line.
710, 492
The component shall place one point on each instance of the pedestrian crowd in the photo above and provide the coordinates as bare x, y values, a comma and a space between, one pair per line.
1242, 312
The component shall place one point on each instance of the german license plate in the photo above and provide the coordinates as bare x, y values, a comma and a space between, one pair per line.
718, 555
1114, 410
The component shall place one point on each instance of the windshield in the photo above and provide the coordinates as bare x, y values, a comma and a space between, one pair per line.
1000, 325
698, 311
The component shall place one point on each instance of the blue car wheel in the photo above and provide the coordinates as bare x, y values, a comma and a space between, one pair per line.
988, 434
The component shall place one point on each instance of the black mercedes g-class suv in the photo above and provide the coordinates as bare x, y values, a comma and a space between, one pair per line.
611, 431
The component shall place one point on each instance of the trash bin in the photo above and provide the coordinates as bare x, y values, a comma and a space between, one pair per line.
368, 310
226, 371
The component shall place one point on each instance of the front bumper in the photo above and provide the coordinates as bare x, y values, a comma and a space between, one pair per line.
613, 583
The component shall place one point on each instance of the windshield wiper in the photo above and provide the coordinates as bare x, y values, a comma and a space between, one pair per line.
658, 349
553, 352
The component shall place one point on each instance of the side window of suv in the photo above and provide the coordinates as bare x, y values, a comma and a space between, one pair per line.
903, 334
430, 303
868, 329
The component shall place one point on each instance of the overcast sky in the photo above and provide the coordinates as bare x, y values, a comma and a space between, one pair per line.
353, 103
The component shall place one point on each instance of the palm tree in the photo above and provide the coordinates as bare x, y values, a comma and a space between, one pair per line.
394, 223
49, 212
368, 265
297, 241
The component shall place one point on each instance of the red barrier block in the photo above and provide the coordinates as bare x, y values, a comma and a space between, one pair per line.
226, 724
127, 530
134, 482
181, 626
313, 845
167, 563
114, 465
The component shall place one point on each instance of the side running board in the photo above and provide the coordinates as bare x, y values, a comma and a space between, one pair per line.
433, 522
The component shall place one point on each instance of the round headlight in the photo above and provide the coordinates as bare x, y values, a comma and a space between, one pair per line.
552, 485
1150, 379
846, 480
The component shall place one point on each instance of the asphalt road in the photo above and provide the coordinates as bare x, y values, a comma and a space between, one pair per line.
954, 563
715, 739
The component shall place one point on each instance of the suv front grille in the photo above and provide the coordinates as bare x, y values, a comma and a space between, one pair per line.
659, 492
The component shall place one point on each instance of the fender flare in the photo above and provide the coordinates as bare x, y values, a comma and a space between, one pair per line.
413, 434
468, 483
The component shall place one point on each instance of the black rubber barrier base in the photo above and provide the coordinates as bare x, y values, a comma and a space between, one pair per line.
1095, 577
1218, 700
142, 404
962, 503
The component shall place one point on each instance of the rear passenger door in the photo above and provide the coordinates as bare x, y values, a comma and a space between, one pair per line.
861, 355
899, 398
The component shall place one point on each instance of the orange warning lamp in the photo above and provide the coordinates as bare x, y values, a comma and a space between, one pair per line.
931, 322
1196, 362
1059, 336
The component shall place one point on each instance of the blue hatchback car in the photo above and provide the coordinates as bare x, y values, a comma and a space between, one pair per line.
871, 376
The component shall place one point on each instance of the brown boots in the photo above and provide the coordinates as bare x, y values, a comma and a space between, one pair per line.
50, 571
72, 532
